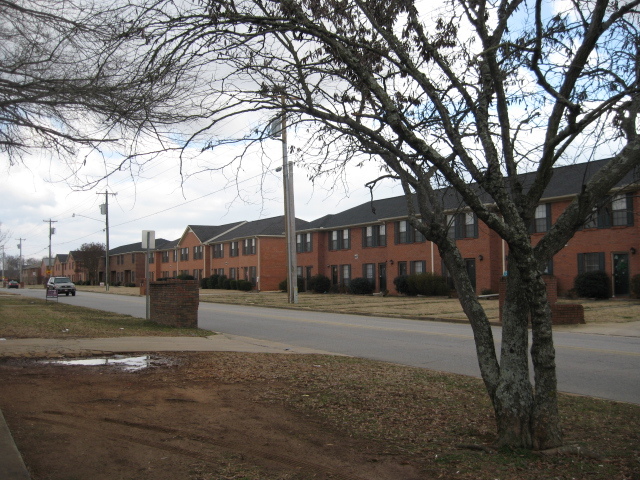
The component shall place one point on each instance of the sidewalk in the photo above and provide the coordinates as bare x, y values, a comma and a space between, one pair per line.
12, 466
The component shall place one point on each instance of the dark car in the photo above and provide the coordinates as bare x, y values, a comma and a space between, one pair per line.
13, 284
62, 285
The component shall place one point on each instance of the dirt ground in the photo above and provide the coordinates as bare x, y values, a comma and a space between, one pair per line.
186, 416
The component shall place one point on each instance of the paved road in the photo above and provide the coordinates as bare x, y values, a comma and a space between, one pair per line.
599, 365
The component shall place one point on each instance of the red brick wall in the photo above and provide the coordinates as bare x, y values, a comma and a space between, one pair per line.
174, 303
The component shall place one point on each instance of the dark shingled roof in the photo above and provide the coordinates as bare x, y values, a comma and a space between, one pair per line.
136, 247
209, 232
273, 226
566, 181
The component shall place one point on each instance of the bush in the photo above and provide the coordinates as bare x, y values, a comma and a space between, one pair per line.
319, 283
245, 285
635, 286
204, 283
427, 284
283, 285
401, 283
186, 277
233, 284
226, 283
593, 285
212, 281
221, 281
361, 286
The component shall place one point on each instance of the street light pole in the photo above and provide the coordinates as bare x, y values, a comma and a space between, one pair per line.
289, 215
105, 212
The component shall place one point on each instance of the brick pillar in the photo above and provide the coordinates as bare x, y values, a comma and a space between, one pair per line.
175, 303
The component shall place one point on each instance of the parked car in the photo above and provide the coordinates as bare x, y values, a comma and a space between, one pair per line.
13, 284
62, 285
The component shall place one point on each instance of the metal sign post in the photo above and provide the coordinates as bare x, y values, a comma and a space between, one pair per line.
148, 243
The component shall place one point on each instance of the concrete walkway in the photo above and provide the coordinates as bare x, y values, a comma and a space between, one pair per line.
12, 466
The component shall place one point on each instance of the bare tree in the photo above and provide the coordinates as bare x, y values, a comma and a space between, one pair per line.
467, 95
62, 87
88, 257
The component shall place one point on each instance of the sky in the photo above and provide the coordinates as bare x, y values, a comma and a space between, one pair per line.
156, 198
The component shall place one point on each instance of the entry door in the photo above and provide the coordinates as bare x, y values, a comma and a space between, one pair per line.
470, 263
382, 276
620, 274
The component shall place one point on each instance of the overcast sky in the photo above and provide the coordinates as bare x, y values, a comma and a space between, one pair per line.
154, 199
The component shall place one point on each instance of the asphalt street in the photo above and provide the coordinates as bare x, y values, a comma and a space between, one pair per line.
603, 364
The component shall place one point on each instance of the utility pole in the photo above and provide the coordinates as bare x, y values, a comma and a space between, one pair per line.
51, 232
289, 214
20, 247
104, 210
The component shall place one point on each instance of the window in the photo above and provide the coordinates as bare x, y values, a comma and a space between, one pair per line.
618, 212
303, 242
198, 252
402, 268
232, 274
369, 272
590, 262
345, 271
184, 254
405, 233
418, 266
622, 210
542, 219
340, 240
218, 271
463, 225
175, 255
249, 246
253, 276
197, 274
233, 249
374, 236
165, 257
218, 250
152, 257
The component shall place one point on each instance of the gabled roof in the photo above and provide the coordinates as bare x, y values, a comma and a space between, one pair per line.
205, 233
566, 181
61, 257
135, 247
273, 226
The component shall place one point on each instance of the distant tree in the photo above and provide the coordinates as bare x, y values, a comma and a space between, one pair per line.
88, 257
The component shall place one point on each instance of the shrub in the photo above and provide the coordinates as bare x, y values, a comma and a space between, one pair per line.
593, 285
212, 281
245, 285
222, 279
319, 283
233, 284
428, 284
635, 286
360, 286
204, 283
401, 283
283, 285
184, 276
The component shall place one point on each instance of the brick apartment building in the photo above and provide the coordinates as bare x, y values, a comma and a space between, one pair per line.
374, 240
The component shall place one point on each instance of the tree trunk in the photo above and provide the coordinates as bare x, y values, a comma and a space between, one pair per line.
546, 420
514, 399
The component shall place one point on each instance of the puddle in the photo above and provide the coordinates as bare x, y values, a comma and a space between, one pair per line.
128, 364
